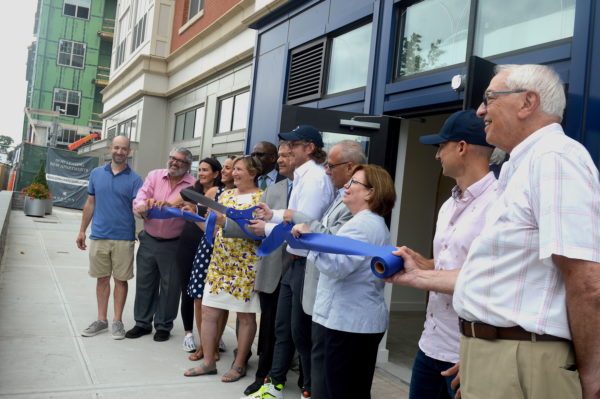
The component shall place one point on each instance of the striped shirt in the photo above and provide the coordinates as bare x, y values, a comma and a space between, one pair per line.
549, 204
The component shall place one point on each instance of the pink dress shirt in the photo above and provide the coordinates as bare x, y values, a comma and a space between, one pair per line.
158, 186
460, 220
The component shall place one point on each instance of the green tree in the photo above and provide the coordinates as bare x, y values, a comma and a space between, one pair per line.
5, 141
40, 176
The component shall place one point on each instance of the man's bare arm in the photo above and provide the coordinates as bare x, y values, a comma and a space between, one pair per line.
86, 218
582, 283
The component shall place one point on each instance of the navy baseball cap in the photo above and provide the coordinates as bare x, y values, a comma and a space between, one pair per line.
304, 132
460, 126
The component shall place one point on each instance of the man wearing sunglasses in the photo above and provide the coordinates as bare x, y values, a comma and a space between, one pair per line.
266, 153
157, 280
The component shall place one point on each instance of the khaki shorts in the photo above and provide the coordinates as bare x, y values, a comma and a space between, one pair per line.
111, 257
503, 369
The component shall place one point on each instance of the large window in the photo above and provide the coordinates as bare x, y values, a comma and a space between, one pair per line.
71, 54
66, 101
128, 129
233, 112
77, 8
189, 124
439, 42
521, 23
349, 60
139, 29
195, 6
122, 32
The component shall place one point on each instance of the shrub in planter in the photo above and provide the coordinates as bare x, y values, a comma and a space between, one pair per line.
36, 198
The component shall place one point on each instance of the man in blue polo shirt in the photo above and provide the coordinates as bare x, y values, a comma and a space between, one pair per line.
111, 191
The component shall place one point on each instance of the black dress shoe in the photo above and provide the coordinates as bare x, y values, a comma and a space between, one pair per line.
161, 335
137, 332
255, 386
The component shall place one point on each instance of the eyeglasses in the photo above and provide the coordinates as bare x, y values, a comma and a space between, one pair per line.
179, 161
487, 94
352, 181
330, 166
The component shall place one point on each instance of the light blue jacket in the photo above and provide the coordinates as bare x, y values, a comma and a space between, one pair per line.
349, 296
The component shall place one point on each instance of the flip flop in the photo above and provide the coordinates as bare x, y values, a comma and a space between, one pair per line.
229, 377
201, 370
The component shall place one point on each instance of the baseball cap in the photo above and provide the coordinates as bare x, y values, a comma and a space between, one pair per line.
304, 132
460, 126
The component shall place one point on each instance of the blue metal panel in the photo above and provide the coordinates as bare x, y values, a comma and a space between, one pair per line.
591, 138
270, 72
426, 97
273, 37
354, 97
350, 15
308, 25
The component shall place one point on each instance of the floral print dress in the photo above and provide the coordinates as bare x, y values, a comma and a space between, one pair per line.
231, 273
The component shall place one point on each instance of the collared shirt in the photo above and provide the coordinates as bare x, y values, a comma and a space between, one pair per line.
460, 220
349, 296
549, 204
271, 178
158, 186
113, 195
312, 193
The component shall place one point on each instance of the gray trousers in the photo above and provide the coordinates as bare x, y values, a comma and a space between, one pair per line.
157, 283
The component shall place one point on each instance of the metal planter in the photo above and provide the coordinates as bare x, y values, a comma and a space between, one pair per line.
34, 207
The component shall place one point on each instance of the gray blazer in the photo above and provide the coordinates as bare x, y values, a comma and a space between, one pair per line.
270, 268
336, 215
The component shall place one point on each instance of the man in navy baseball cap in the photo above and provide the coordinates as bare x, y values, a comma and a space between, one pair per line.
304, 132
460, 126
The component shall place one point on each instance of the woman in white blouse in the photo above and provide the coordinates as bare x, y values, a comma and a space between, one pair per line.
349, 302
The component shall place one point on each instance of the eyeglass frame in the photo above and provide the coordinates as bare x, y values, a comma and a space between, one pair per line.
330, 166
487, 93
352, 181
177, 160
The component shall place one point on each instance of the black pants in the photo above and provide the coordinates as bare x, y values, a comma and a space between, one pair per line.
350, 363
266, 333
318, 362
186, 251
292, 326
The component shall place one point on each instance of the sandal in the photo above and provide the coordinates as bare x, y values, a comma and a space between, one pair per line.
198, 355
203, 369
230, 377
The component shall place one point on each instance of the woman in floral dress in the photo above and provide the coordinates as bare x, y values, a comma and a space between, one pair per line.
229, 283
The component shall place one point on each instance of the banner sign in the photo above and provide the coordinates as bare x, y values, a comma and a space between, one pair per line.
67, 175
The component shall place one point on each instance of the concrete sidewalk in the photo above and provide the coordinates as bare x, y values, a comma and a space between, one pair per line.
47, 298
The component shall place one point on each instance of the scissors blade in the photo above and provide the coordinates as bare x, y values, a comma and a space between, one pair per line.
192, 196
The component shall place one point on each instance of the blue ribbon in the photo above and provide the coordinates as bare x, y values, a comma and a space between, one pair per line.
383, 264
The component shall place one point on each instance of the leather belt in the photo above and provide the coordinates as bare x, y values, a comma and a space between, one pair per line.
476, 329
159, 239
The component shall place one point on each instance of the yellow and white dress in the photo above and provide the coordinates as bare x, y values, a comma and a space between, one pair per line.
230, 279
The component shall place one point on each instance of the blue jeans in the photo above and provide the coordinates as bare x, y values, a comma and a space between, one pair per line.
427, 382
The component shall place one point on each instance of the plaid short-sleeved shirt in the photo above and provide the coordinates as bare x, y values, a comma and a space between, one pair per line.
549, 204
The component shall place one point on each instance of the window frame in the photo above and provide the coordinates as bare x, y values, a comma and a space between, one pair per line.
60, 42
77, 7
200, 9
232, 118
185, 114
67, 103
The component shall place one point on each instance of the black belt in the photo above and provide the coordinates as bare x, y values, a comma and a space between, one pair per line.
161, 239
296, 257
476, 329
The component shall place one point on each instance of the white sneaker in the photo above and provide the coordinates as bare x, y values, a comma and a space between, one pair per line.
222, 346
268, 391
95, 328
117, 330
189, 344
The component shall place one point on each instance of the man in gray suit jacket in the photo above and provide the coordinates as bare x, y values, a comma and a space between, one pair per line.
270, 268
341, 159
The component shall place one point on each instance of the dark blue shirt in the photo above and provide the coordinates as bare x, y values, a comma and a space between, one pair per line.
113, 210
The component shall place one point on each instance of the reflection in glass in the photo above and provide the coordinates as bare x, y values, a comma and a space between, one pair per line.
225, 111
521, 23
349, 62
434, 35
330, 139
199, 128
240, 112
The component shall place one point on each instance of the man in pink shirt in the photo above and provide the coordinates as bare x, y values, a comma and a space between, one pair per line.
464, 155
157, 282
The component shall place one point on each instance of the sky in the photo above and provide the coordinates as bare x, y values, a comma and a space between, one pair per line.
16, 34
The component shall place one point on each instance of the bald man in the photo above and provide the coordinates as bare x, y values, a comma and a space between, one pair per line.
111, 191
266, 153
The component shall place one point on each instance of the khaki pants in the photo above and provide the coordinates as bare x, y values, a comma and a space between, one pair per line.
507, 369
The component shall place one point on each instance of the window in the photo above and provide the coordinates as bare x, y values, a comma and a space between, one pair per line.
111, 132
442, 41
64, 137
349, 60
139, 29
233, 112
195, 6
189, 124
66, 101
128, 129
521, 23
71, 54
77, 8
122, 33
